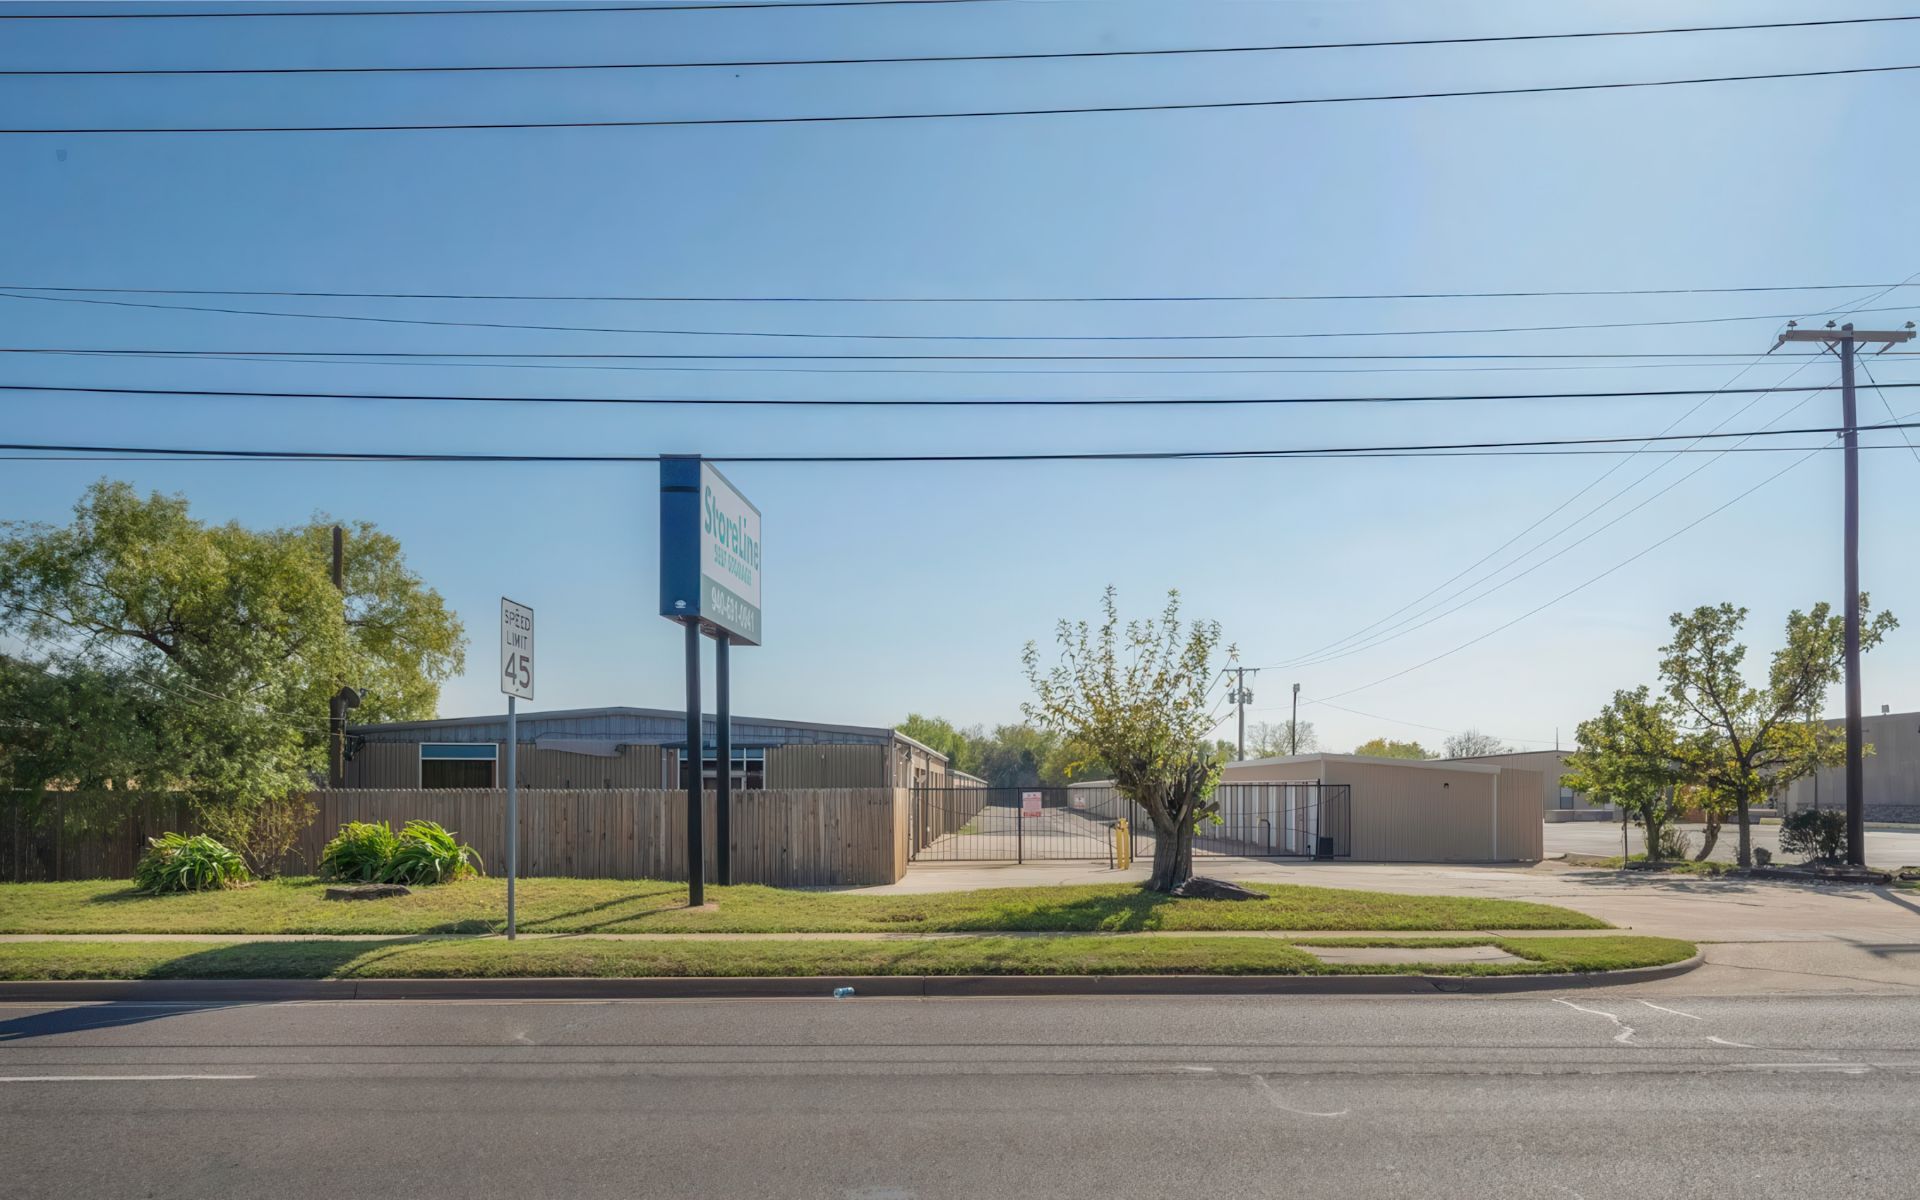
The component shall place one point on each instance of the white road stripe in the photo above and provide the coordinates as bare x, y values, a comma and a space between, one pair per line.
109, 1078
1663, 1008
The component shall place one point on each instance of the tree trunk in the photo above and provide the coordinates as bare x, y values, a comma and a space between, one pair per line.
1708, 839
1745, 855
1652, 826
1172, 855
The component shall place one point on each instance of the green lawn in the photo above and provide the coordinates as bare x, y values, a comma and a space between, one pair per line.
648, 906
591, 957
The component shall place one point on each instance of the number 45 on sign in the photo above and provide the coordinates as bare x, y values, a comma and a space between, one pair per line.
516, 649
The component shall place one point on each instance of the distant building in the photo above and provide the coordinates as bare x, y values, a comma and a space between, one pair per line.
633, 748
1556, 803
1890, 776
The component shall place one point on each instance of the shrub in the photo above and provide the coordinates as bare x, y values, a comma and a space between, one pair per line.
1762, 857
359, 852
1815, 834
1675, 844
427, 853
177, 863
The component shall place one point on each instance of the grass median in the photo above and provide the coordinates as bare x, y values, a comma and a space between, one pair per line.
587, 957
653, 906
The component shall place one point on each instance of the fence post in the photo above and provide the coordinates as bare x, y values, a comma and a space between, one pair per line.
1019, 832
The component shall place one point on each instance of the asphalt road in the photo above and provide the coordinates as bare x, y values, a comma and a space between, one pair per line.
1582, 1095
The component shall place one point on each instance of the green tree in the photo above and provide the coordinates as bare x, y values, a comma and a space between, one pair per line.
940, 734
1137, 697
1381, 747
1629, 755
1020, 756
1744, 742
1276, 739
1471, 743
221, 646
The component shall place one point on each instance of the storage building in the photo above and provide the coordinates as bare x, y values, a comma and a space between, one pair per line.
633, 748
1419, 810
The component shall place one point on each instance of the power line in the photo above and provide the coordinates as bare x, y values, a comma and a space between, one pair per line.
1305, 456
1412, 724
1395, 634
1116, 299
1369, 634
476, 12
1030, 456
1577, 587
363, 318
1195, 106
917, 402
1755, 361
1885, 403
1682, 358
964, 58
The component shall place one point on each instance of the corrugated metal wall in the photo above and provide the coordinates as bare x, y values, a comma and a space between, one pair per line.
826, 766
1426, 813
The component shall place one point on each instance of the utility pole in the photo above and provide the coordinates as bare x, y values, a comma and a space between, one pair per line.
1293, 724
1843, 342
337, 704
1241, 697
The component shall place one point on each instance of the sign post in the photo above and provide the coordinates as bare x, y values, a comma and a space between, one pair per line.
710, 583
516, 680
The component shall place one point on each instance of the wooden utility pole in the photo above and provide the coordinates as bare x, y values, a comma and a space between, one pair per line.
346, 697
1844, 342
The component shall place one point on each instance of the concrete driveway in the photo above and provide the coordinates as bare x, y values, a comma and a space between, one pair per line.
1886, 847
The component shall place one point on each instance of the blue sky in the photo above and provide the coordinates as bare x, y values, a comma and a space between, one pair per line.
896, 588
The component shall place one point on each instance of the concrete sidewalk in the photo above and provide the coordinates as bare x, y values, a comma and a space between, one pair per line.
1290, 935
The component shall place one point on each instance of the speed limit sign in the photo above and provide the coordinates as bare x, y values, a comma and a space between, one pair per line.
516, 649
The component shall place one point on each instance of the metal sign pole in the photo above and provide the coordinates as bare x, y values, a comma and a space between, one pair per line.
516, 680
722, 761
513, 810
696, 840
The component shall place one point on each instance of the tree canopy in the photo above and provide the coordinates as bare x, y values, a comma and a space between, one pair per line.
166, 653
1274, 739
1630, 755
1744, 741
1139, 695
1471, 743
1382, 747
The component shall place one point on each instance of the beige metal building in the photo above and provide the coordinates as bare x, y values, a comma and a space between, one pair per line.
633, 748
1413, 810
1889, 777
1556, 802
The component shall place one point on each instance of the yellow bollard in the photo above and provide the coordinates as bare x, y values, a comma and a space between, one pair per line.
1122, 845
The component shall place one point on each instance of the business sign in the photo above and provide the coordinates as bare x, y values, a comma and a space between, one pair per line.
1029, 804
516, 649
709, 550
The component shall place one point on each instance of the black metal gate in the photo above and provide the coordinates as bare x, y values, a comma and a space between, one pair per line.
1255, 820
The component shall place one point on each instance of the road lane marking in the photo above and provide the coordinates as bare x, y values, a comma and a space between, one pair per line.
1663, 1008
109, 1078
1624, 1037
1736, 1045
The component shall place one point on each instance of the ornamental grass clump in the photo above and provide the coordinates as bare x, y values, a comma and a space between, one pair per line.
177, 863
360, 852
427, 853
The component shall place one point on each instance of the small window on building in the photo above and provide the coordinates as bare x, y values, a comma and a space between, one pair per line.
458, 765
749, 768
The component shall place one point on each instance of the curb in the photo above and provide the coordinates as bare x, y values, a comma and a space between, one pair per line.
215, 991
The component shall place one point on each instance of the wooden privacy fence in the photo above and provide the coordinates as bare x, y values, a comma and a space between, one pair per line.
82, 835
813, 837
